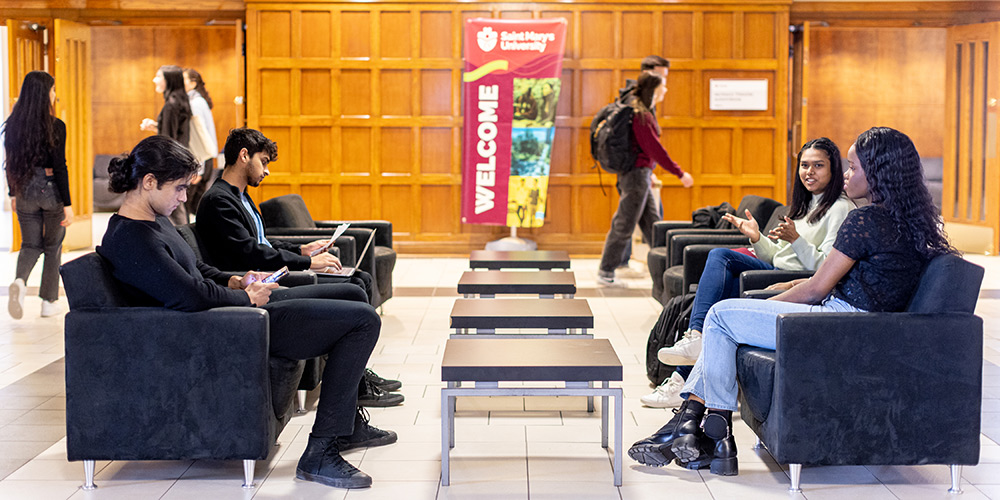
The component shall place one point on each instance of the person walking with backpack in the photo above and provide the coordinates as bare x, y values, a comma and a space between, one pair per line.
637, 204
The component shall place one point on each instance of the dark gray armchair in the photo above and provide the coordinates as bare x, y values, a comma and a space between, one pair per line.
287, 216
147, 383
852, 388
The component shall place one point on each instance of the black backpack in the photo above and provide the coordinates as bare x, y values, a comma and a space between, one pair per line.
611, 142
711, 216
669, 328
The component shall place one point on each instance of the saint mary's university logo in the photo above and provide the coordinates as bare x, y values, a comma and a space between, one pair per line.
487, 39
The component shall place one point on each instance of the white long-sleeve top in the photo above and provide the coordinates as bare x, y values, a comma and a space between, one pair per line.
814, 241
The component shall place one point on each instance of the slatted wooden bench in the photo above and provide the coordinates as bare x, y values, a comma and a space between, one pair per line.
577, 363
488, 284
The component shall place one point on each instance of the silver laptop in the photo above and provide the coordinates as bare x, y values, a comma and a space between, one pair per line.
349, 271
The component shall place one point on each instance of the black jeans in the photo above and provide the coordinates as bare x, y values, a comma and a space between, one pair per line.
39, 215
334, 320
636, 206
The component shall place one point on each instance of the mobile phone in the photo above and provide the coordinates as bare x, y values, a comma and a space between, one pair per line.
275, 276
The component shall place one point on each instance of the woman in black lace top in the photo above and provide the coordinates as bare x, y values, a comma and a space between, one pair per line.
875, 265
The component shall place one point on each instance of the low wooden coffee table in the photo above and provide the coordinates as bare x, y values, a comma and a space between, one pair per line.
483, 317
487, 284
577, 363
528, 259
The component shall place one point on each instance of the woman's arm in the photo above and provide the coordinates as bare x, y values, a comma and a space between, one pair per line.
645, 135
812, 256
821, 284
58, 162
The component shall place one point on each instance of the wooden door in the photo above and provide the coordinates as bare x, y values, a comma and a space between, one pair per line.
73, 86
241, 77
26, 52
971, 181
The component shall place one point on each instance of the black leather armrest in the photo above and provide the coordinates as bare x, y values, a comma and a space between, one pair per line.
383, 229
343, 248
759, 280
695, 257
660, 229
195, 380
676, 244
297, 278
859, 382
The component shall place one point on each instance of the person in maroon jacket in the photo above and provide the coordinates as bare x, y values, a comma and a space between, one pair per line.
637, 205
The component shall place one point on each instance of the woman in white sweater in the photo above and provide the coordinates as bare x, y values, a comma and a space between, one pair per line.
801, 242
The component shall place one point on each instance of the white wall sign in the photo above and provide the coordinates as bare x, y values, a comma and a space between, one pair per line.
737, 95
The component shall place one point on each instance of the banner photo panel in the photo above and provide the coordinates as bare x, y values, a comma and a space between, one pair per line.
511, 88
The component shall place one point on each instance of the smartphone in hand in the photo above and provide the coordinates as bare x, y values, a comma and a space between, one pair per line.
275, 276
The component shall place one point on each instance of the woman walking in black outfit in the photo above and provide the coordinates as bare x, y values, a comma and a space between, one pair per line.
174, 120
38, 181
157, 268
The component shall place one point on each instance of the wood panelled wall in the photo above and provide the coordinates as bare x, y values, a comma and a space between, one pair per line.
893, 77
125, 60
364, 102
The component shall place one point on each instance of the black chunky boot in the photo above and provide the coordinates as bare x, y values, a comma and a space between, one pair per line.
655, 450
323, 464
714, 448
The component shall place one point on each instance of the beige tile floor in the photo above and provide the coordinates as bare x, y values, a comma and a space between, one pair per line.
507, 448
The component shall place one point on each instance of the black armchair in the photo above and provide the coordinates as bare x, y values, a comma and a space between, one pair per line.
675, 266
851, 388
287, 215
312, 373
148, 383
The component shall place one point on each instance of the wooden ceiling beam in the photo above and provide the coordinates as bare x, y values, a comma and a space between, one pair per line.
895, 14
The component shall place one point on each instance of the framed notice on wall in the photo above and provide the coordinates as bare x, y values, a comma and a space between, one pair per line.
737, 95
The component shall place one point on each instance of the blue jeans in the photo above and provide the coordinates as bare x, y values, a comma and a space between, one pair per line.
721, 280
731, 323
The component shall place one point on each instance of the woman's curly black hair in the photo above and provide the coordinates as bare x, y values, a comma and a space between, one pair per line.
801, 196
159, 155
896, 182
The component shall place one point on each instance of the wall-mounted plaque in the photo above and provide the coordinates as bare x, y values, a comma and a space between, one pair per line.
737, 95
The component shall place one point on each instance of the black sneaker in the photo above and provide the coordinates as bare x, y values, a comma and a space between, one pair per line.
373, 396
323, 464
365, 435
385, 384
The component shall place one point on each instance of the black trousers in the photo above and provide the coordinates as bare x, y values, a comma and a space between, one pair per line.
39, 215
360, 278
333, 320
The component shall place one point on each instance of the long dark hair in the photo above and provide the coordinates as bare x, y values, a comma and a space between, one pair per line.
195, 77
646, 87
896, 182
159, 155
28, 131
174, 91
801, 196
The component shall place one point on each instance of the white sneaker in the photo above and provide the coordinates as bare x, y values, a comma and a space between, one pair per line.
15, 298
50, 309
610, 282
684, 352
629, 272
667, 395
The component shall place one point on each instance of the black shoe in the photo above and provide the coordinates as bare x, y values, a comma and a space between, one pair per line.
385, 384
365, 435
656, 449
373, 396
323, 464
693, 450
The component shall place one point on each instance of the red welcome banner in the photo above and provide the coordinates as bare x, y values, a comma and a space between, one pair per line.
511, 87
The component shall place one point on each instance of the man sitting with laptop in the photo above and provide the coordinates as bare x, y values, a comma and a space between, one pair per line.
232, 232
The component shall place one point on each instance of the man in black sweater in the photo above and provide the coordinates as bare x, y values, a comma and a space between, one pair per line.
232, 231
